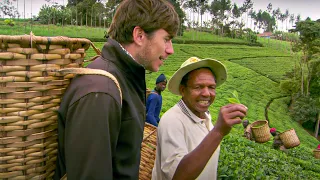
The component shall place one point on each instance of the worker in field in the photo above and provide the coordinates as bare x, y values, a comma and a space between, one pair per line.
188, 145
100, 130
154, 101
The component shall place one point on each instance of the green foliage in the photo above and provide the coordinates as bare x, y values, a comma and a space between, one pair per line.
304, 108
309, 37
273, 68
9, 22
287, 36
235, 98
239, 158
290, 86
251, 37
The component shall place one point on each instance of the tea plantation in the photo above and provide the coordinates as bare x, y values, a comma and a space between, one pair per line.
255, 73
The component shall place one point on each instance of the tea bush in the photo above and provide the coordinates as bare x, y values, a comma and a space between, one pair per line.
249, 73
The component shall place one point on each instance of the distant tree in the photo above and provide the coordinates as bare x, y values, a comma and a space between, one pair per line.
247, 5
181, 15
287, 15
277, 16
8, 9
292, 18
309, 46
219, 9
111, 6
253, 16
235, 15
269, 8
304, 83
298, 18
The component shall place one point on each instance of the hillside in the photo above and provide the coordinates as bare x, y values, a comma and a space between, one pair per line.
255, 73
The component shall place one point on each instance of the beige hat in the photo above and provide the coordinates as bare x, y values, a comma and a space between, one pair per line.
193, 63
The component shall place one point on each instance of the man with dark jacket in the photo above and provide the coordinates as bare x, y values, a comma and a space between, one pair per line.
154, 101
100, 135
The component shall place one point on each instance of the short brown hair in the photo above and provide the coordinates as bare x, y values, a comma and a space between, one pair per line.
150, 15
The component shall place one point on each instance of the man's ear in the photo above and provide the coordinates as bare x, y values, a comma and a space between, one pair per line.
138, 35
182, 88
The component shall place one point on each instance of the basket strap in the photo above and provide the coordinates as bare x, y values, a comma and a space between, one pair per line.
95, 49
87, 71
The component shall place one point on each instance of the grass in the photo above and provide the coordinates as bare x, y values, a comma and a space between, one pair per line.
22, 28
205, 36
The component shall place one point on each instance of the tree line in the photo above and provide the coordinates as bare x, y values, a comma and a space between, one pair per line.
223, 14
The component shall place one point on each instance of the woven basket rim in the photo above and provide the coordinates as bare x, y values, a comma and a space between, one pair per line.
252, 124
57, 40
288, 131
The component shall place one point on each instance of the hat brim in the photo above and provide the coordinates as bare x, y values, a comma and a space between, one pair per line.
217, 68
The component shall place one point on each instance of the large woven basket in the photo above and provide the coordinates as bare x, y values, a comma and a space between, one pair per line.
148, 152
290, 139
30, 93
261, 131
316, 153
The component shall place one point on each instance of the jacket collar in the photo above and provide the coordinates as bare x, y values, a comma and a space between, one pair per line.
114, 52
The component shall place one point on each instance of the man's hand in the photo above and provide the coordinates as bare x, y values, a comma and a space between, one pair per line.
230, 115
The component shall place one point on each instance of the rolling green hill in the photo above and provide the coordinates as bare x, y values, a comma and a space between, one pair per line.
255, 73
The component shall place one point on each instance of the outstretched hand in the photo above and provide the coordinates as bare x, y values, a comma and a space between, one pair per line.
230, 115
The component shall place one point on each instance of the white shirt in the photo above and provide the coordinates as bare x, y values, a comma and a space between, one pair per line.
179, 132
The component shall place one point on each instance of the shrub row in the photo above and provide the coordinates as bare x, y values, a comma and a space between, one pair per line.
182, 41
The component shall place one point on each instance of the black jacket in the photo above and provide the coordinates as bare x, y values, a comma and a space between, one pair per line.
99, 138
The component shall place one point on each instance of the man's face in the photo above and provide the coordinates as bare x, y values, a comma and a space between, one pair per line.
155, 50
161, 86
200, 91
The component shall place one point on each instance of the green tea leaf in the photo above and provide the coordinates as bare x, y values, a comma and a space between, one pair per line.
235, 94
233, 101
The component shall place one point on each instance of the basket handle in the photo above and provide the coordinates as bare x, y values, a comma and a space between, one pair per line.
87, 71
98, 52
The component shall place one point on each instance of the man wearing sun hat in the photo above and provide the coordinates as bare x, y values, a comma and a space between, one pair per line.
188, 144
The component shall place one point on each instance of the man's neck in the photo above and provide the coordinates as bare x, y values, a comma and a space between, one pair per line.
126, 49
158, 91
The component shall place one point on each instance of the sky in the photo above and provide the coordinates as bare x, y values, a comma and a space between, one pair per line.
306, 8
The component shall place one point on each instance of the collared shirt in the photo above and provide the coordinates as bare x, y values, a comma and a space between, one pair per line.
179, 132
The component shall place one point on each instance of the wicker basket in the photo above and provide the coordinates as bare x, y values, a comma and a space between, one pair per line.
261, 131
30, 92
290, 139
316, 153
148, 152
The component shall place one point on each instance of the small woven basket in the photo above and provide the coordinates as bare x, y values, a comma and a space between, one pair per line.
290, 139
148, 152
30, 93
261, 131
316, 153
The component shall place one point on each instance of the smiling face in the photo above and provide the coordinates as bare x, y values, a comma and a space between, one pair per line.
155, 50
200, 91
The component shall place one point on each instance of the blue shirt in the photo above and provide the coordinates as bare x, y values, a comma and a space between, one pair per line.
154, 104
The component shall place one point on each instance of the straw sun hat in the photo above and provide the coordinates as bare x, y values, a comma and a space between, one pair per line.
193, 63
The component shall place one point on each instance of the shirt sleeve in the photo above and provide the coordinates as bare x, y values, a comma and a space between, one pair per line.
151, 109
173, 145
92, 128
